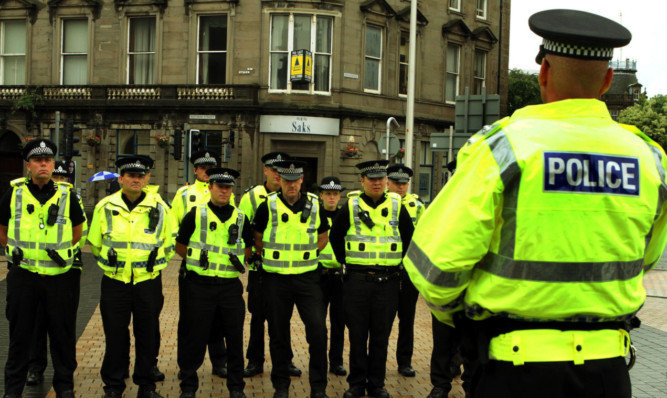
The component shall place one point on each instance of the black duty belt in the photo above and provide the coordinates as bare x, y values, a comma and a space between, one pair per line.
375, 276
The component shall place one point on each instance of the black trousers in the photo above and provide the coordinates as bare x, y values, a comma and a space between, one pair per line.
332, 287
444, 347
407, 305
257, 309
602, 378
38, 361
210, 306
118, 303
304, 291
370, 309
217, 351
26, 292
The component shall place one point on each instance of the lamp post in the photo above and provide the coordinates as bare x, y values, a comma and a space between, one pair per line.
409, 117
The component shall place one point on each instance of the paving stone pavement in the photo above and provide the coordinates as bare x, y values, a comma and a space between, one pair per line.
649, 376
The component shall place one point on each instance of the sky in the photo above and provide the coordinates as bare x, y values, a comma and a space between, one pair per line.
644, 18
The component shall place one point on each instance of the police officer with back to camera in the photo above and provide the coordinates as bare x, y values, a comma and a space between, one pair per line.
249, 203
186, 198
214, 238
41, 223
398, 181
131, 236
330, 192
546, 229
37, 362
369, 237
290, 230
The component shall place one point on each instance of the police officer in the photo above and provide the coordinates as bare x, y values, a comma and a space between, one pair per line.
131, 236
398, 181
186, 198
249, 203
369, 236
213, 239
40, 227
290, 229
547, 227
37, 362
330, 192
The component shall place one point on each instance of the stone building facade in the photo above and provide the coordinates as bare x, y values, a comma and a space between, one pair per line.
129, 71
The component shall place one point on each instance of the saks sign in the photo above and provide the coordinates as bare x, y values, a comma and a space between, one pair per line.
299, 125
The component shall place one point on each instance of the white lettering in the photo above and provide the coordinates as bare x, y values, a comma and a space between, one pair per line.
628, 175
601, 173
574, 166
556, 166
587, 174
609, 174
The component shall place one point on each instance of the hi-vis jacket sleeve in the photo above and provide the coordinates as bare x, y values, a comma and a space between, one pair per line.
94, 231
455, 232
658, 239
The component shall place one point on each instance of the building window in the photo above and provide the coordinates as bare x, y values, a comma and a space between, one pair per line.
141, 51
12, 52
614, 114
403, 58
455, 5
481, 9
132, 142
373, 59
212, 50
300, 32
425, 173
74, 52
480, 71
452, 82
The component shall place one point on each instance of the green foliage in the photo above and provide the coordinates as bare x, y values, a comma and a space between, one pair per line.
28, 102
524, 89
650, 117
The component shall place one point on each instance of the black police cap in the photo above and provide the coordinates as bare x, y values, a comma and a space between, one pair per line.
39, 147
577, 34
331, 183
270, 158
222, 176
373, 168
134, 164
61, 169
204, 158
399, 173
290, 170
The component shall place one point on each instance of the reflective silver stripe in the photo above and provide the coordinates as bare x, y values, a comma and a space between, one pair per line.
431, 273
184, 197
290, 246
107, 242
372, 239
61, 212
395, 203
18, 207
240, 220
366, 255
158, 230
253, 199
45, 263
312, 238
273, 205
391, 255
144, 264
449, 306
211, 266
41, 246
552, 271
109, 216
286, 264
326, 256
510, 174
203, 229
657, 156
355, 216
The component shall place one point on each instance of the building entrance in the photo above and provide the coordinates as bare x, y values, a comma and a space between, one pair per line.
11, 161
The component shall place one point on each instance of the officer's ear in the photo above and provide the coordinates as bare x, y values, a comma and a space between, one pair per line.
607, 81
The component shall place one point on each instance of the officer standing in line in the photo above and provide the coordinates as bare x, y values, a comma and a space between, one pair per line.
546, 229
37, 361
290, 230
398, 181
369, 237
213, 239
252, 198
330, 190
40, 227
131, 236
186, 198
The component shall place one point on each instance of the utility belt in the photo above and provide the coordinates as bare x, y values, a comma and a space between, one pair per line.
207, 280
549, 345
377, 274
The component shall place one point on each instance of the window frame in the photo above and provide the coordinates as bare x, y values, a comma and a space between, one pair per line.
378, 59
458, 5
4, 56
402, 64
484, 9
476, 77
63, 54
129, 54
457, 73
199, 52
290, 47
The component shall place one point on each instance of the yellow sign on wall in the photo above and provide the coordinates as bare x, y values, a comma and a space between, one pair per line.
301, 66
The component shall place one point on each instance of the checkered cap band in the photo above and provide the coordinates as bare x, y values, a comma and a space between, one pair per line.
290, 170
41, 150
223, 178
398, 175
573, 50
331, 186
206, 159
60, 171
270, 162
374, 169
135, 165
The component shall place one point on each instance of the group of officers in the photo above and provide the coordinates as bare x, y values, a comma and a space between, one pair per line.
539, 271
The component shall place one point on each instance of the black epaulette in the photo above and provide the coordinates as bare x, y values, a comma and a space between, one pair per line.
250, 188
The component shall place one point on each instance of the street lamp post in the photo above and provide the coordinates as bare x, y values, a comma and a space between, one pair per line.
409, 122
